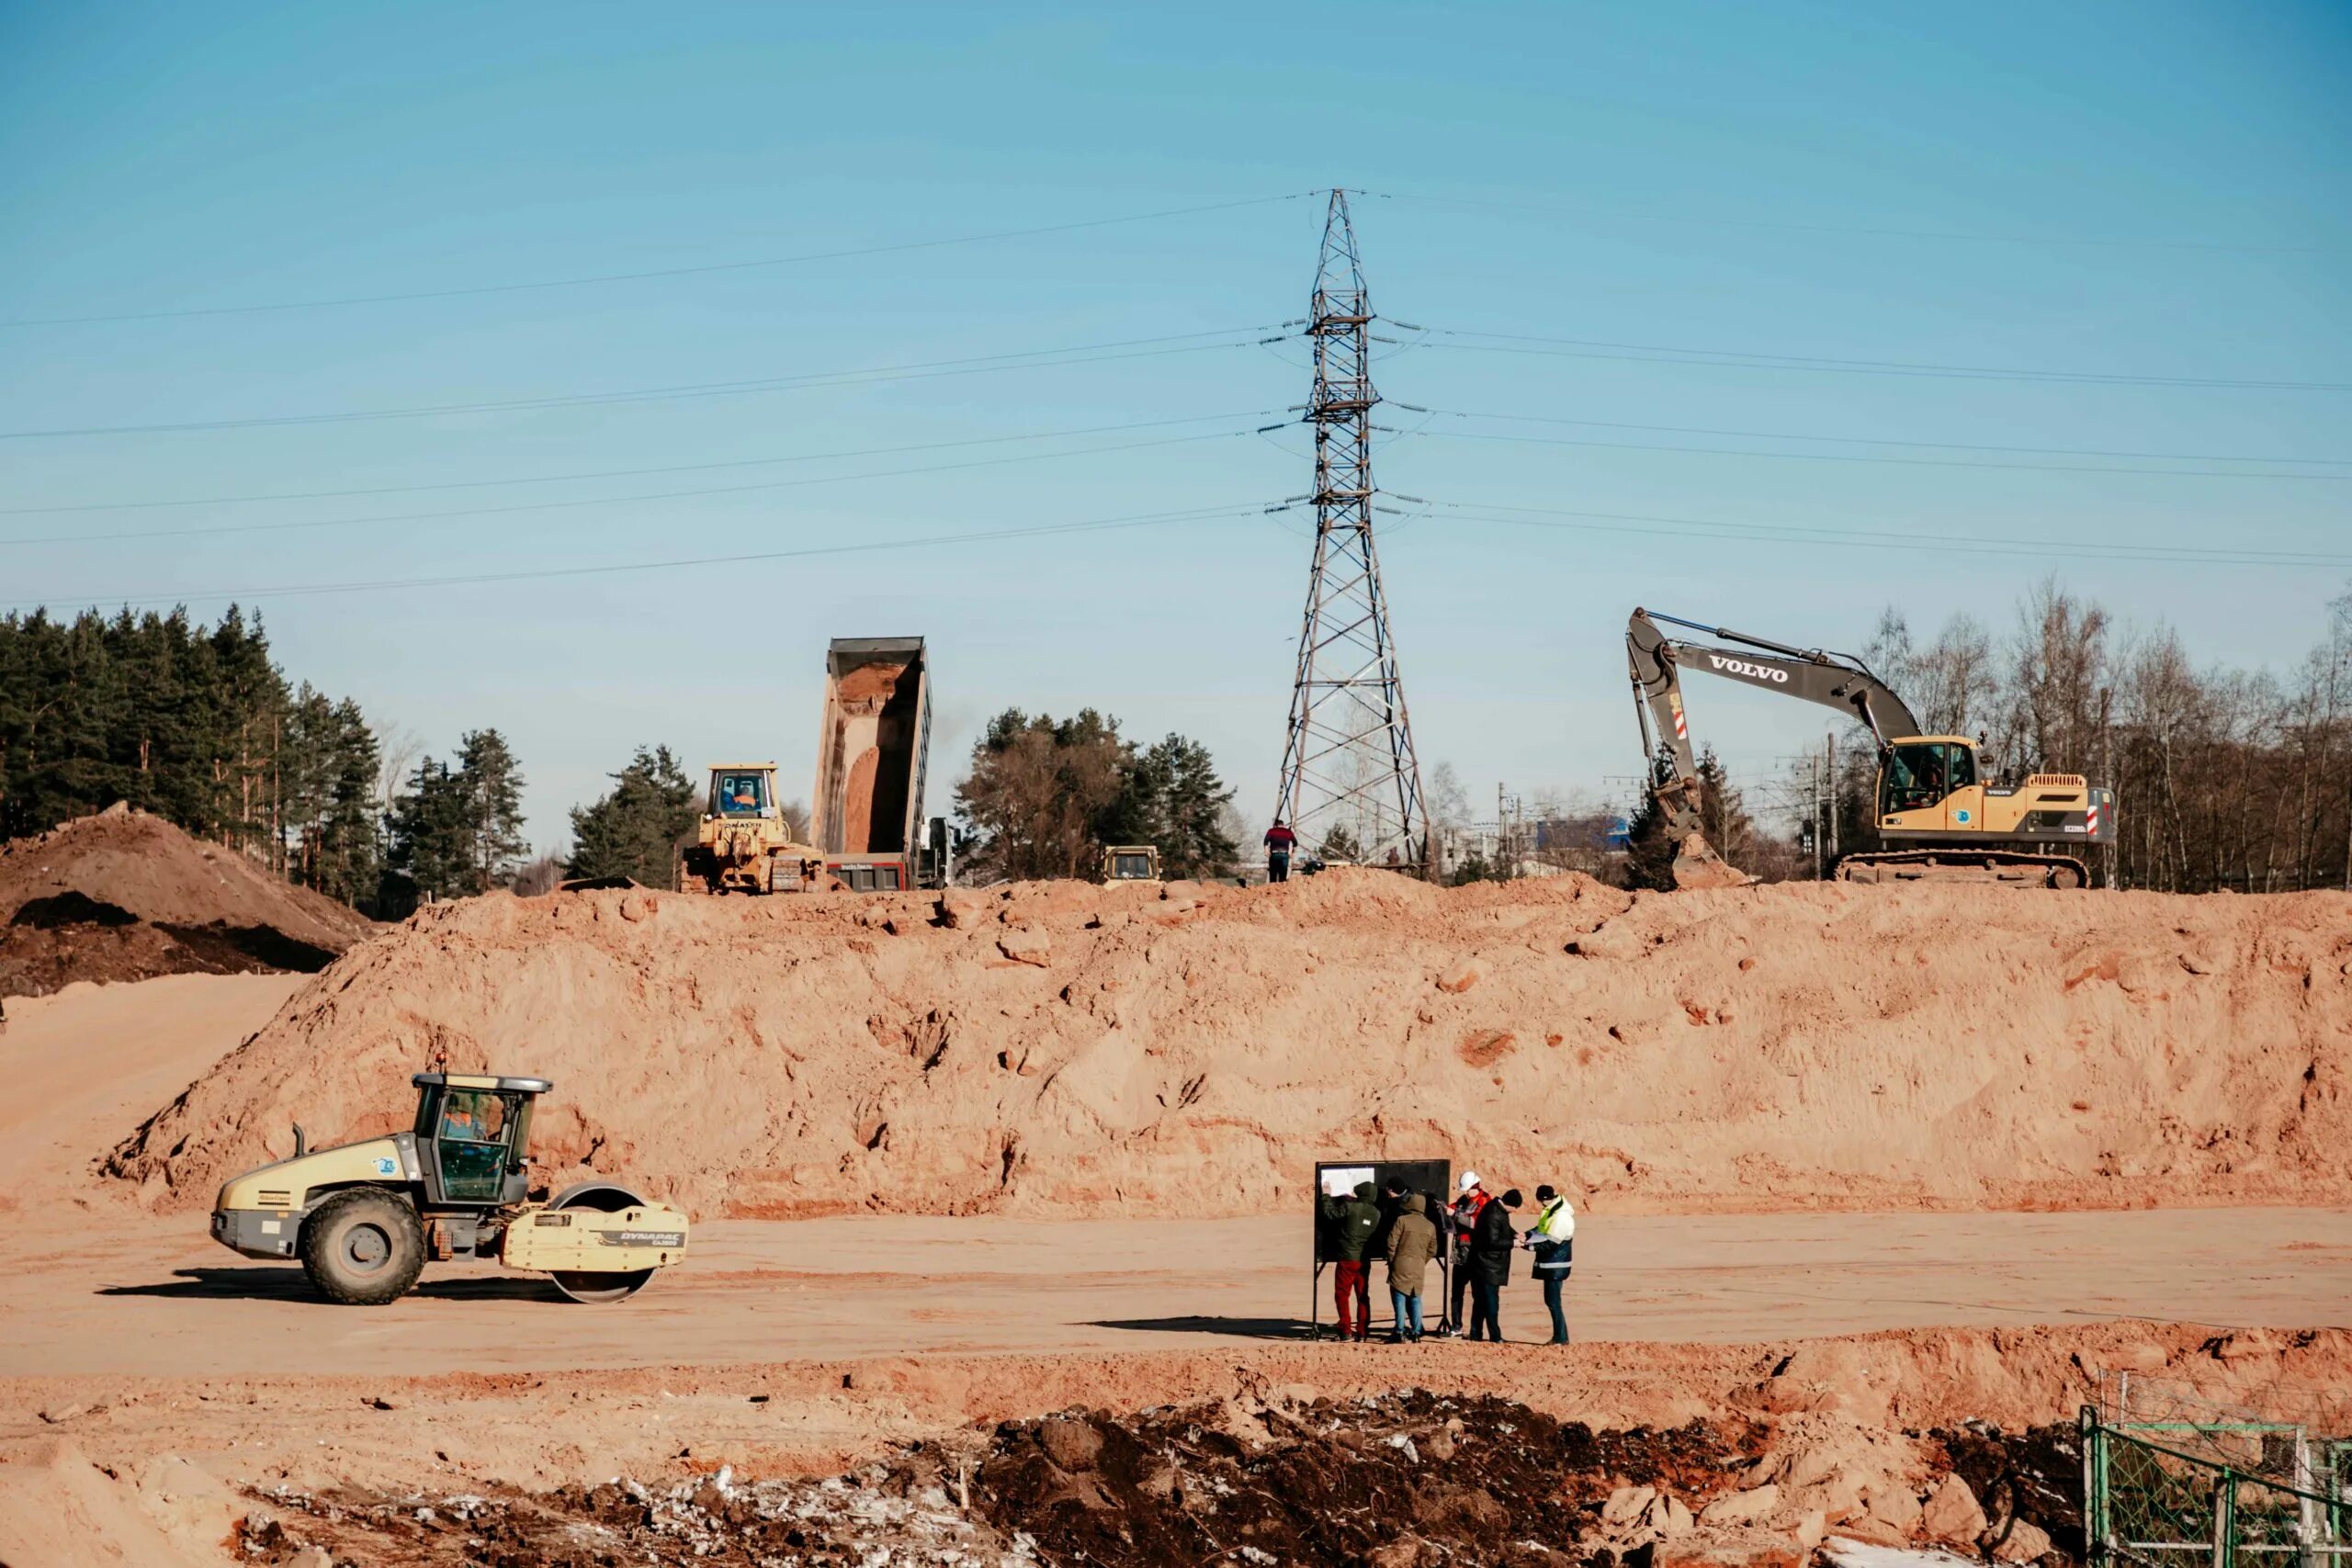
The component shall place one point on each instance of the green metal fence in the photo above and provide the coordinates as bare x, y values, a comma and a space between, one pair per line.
2233, 1495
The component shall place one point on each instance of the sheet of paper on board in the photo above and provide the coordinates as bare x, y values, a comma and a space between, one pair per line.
1338, 1180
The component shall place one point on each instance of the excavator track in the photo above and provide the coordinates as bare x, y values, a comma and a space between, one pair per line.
2014, 868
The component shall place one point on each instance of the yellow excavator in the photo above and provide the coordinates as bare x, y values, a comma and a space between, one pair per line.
742, 843
1941, 816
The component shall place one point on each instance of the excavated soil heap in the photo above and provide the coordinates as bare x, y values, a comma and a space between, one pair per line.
1059, 1047
125, 896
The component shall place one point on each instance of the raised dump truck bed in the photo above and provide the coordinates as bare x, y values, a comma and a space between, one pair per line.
866, 812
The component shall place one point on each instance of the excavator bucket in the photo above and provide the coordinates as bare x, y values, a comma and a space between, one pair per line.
1696, 866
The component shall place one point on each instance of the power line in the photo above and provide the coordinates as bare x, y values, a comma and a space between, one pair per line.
626, 473
1779, 533
1940, 235
602, 499
1597, 348
479, 290
1881, 440
542, 573
1864, 458
919, 371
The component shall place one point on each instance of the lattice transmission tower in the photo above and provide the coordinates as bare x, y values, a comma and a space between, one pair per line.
1348, 764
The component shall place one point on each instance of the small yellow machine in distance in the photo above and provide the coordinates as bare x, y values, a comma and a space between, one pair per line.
1131, 862
364, 1218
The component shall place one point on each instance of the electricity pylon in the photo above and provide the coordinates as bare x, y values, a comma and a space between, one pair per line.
1348, 773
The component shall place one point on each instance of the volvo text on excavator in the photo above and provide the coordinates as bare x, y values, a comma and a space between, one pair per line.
1940, 817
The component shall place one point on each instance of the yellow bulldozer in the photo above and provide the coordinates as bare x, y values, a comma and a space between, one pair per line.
1129, 862
364, 1218
742, 842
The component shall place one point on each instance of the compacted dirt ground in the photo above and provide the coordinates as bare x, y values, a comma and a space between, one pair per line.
1068, 1374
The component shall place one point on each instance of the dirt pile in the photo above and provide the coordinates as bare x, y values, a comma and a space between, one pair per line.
125, 896
1067, 1048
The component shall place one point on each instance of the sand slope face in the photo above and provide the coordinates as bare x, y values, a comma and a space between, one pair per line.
126, 896
1059, 1047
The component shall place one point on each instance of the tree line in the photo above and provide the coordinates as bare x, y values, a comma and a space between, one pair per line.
2224, 778
1045, 796
197, 724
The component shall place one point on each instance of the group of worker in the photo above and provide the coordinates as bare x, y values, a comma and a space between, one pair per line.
1472, 1240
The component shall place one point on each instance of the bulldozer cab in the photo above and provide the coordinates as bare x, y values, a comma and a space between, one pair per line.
472, 1131
742, 791
1131, 862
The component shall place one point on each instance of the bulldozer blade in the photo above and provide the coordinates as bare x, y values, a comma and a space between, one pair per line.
1696, 866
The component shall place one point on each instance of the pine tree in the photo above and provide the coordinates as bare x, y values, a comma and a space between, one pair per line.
490, 787
1188, 808
351, 833
633, 830
432, 837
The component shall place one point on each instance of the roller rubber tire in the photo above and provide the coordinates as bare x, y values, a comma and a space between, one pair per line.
363, 1248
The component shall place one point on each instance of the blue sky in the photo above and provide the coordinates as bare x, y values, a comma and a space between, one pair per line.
2150, 191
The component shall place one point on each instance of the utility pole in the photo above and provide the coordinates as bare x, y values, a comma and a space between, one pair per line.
2107, 771
1815, 770
1829, 762
1348, 759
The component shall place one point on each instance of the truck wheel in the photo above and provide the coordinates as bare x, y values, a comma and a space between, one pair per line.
363, 1248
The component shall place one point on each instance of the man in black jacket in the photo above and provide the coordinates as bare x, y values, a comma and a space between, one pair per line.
1352, 1222
1491, 1241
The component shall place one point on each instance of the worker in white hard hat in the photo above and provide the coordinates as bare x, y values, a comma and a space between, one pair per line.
1470, 1197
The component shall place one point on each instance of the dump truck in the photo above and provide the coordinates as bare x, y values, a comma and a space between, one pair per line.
364, 1218
866, 816
1939, 815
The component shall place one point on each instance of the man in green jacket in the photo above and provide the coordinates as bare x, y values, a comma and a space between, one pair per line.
1352, 1222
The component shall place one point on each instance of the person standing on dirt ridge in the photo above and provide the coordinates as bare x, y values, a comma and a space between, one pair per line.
1492, 1241
1412, 1242
1459, 1219
1279, 841
1353, 1220
1552, 1239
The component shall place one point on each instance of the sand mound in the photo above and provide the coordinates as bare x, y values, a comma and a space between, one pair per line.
124, 895
1061, 1047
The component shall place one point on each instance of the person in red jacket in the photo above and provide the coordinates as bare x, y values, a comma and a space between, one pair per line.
1279, 841
1464, 1219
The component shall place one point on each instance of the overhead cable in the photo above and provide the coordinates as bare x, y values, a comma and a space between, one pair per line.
626, 473
1887, 441
545, 573
604, 499
593, 278
1662, 354
985, 364
2060, 547
1869, 457
1967, 236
